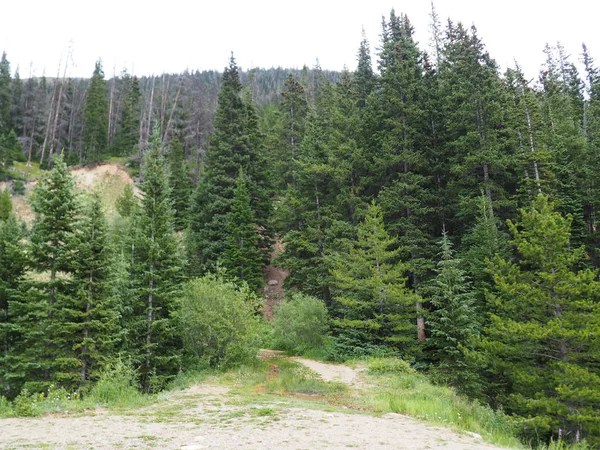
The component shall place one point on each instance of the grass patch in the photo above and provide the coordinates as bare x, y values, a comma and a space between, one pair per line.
25, 173
291, 377
401, 390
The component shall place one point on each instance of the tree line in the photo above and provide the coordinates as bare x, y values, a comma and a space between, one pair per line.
443, 211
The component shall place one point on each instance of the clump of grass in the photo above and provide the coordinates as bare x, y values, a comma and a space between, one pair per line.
561, 445
27, 173
295, 378
117, 388
33, 404
400, 389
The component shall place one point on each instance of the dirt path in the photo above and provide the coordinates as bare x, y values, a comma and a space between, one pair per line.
212, 417
334, 372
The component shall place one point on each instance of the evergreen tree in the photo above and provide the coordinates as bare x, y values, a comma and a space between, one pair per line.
453, 323
5, 95
16, 104
542, 342
242, 257
91, 318
10, 149
475, 143
126, 202
370, 289
12, 271
562, 135
6, 206
364, 76
294, 109
398, 165
311, 207
236, 143
156, 277
179, 182
128, 131
42, 354
95, 131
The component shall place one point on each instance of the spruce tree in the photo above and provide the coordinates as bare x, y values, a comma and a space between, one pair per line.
542, 342
128, 131
44, 347
242, 257
91, 318
126, 202
156, 274
235, 143
370, 289
476, 151
6, 206
95, 130
294, 109
454, 324
179, 182
12, 271
5, 95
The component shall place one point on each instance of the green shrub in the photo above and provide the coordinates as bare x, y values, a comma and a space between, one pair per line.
18, 188
218, 322
116, 386
393, 366
300, 323
354, 344
6, 408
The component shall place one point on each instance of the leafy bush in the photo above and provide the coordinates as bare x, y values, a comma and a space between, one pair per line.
300, 324
393, 366
18, 188
218, 323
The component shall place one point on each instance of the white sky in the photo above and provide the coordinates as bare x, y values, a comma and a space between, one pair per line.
149, 37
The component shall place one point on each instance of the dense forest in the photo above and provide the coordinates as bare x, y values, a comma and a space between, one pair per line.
442, 211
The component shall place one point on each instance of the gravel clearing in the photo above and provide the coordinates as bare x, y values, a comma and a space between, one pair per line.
210, 417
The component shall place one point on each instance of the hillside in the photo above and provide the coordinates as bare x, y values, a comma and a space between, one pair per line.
108, 178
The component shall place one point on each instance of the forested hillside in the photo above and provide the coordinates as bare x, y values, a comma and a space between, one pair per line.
442, 211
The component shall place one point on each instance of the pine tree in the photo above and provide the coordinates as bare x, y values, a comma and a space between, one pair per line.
475, 146
399, 166
370, 289
156, 267
43, 354
95, 131
128, 131
294, 109
12, 271
179, 181
6, 206
126, 202
236, 143
311, 207
5, 95
242, 257
542, 342
16, 104
563, 136
454, 323
90, 317
364, 76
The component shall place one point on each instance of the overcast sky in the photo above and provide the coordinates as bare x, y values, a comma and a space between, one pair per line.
149, 37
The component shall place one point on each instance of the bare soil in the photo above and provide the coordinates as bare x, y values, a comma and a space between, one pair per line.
213, 417
274, 278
